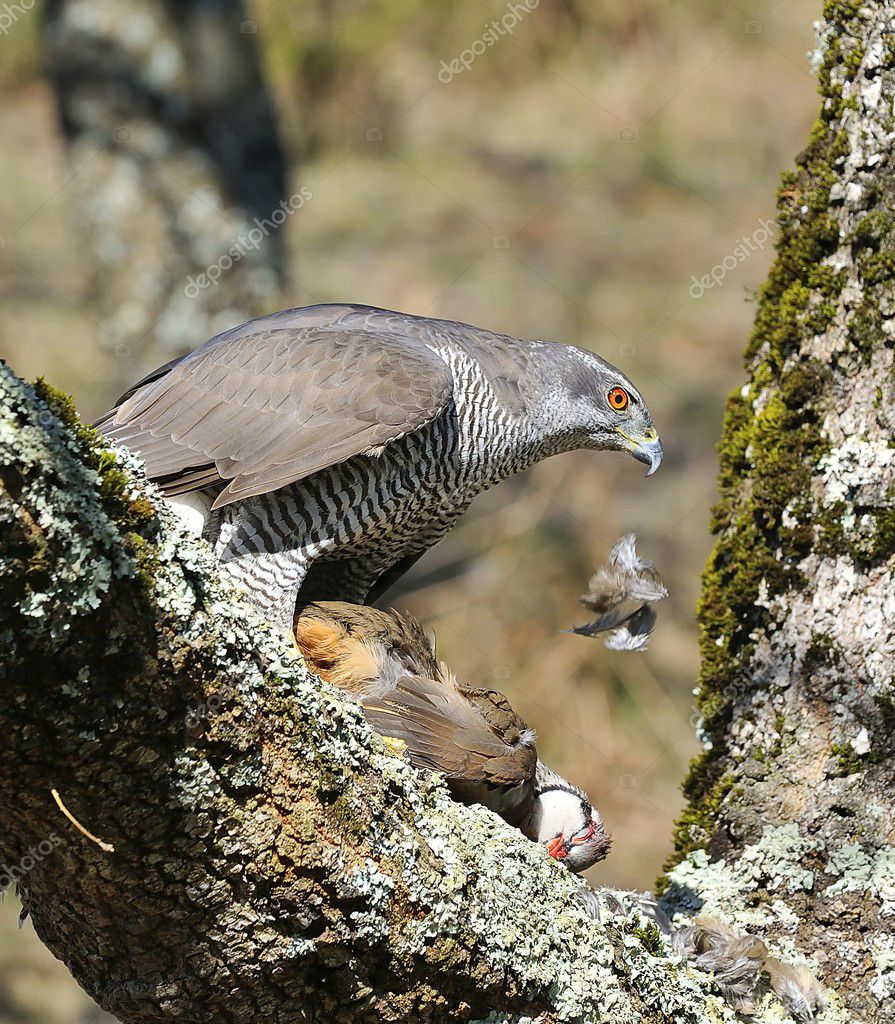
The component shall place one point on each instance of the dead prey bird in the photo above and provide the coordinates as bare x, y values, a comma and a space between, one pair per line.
624, 580
471, 736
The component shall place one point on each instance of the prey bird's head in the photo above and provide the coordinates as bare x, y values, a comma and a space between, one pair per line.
608, 410
564, 820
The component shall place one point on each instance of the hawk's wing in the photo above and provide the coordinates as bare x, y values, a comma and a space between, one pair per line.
279, 398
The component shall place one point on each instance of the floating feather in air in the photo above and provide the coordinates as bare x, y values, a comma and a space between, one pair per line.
624, 579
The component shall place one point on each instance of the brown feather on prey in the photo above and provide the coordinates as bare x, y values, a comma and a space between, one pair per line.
471, 736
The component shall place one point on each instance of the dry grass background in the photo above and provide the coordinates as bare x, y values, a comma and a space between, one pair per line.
567, 186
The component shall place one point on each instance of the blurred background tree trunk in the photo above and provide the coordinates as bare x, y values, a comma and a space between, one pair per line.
177, 168
793, 801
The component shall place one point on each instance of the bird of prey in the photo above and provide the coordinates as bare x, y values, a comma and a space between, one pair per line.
323, 450
472, 737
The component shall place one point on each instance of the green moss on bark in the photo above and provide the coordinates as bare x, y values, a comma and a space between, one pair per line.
132, 511
771, 444
840, 12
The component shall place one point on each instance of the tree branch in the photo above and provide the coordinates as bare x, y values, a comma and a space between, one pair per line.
271, 858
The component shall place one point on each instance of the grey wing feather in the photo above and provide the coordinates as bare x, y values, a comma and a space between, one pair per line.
279, 398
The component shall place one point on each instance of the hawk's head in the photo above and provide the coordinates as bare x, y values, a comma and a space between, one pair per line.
609, 411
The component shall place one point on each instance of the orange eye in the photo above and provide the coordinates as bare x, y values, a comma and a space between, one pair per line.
619, 399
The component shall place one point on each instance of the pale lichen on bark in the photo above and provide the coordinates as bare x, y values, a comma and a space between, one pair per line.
274, 859
798, 608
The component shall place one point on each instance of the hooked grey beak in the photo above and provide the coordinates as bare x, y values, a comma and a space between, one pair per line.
646, 448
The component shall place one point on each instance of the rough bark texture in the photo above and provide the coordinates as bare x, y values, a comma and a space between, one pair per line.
175, 168
272, 860
792, 806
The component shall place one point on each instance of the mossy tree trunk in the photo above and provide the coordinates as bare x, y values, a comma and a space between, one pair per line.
792, 806
176, 175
